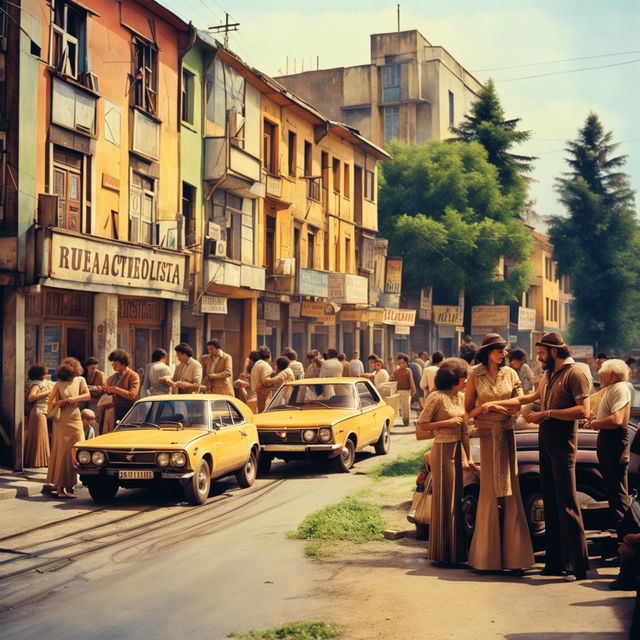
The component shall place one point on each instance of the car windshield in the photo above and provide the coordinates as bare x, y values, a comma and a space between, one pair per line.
307, 397
166, 414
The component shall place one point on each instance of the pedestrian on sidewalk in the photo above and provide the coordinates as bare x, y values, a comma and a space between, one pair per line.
357, 368
123, 386
88, 423
294, 364
187, 376
260, 372
95, 379
314, 362
380, 375
497, 544
331, 367
154, 385
403, 376
281, 375
518, 362
427, 381
443, 419
36, 446
243, 383
346, 367
64, 407
217, 369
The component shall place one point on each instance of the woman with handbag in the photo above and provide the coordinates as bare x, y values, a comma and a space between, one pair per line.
443, 418
494, 547
69, 392
36, 446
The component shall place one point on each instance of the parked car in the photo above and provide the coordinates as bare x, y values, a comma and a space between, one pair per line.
328, 417
185, 439
590, 485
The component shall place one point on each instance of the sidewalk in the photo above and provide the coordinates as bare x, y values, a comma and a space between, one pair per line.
23, 484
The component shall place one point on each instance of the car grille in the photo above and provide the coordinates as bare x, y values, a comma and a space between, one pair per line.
131, 458
272, 437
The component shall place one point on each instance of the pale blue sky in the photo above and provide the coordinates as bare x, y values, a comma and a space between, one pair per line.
487, 35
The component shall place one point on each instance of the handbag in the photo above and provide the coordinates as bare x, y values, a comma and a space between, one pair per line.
105, 401
54, 413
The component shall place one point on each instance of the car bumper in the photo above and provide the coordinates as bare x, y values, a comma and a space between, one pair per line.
157, 475
301, 448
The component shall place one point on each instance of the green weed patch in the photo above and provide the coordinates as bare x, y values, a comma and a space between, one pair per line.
317, 630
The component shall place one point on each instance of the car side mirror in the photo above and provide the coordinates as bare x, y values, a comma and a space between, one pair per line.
217, 425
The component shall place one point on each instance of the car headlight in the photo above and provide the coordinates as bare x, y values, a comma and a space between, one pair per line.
84, 457
308, 435
98, 458
325, 434
162, 459
178, 459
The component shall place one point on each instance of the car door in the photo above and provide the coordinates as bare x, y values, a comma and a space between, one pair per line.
369, 430
230, 441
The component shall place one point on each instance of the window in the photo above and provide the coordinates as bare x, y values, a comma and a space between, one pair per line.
452, 120
391, 123
292, 151
67, 38
145, 75
346, 182
68, 186
142, 209
270, 147
189, 213
369, 185
224, 414
308, 158
226, 95
548, 268
391, 83
336, 175
188, 101
311, 245
366, 395
235, 215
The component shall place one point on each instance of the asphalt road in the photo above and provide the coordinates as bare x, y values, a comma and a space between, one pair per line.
149, 565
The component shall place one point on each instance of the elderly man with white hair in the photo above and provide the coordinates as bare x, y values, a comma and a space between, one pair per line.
611, 421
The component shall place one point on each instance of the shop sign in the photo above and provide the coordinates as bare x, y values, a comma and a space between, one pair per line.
51, 348
329, 320
400, 317
376, 314
425, 315
346, 288
496, 317
85, 260
526, 319
313, 283
426, 302
584, 351
272, 311
263, 328
213, 304
402, 330
354, 315
447, 315
393, 280
446, 331
313, 310
295, 309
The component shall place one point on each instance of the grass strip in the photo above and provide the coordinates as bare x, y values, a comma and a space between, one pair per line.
315, 630
407, 465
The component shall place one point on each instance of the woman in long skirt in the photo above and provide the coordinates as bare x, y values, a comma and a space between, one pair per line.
36, 446
444, 415
69, 392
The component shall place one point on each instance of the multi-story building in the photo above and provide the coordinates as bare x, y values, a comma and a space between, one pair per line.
411, 90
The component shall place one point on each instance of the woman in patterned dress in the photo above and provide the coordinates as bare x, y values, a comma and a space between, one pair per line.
36, 446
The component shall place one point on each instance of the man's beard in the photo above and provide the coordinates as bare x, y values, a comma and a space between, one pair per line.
549, 363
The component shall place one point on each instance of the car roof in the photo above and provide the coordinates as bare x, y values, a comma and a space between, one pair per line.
333, 380
188, 396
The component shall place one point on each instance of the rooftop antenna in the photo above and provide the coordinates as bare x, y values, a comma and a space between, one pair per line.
398, 18
226, 27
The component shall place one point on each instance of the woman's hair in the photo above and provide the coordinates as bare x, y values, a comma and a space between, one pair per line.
158, 354
89, 361
290, 353
183, 347
37, 371
282, 363
313, 353
482, 357
437, 357
616, 366
69, 368
264, 353
450, 372
121, 356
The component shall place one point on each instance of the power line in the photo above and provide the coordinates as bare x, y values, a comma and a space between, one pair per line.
538, 64
557, 73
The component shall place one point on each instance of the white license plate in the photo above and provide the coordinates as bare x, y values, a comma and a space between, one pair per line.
135, 474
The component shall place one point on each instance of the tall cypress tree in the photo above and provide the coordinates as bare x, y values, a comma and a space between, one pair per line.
595, 243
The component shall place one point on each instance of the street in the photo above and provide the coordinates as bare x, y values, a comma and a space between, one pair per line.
149, 565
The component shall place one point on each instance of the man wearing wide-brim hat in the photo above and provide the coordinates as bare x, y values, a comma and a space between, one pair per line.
563, 393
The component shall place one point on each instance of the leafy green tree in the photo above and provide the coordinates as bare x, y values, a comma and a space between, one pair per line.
442, 208
596, 243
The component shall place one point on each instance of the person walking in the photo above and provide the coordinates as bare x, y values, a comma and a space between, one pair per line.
123, 386
217, 369
187, 375
563, 393
416, 370
294, 364
380, 375
95, 379
346, 367
314, 363
36, 445
610, 422
357, 368
497, 545
443, 419
68, 393
260, 372
403, 377
331, 367
468, 349
427, 381
158, 372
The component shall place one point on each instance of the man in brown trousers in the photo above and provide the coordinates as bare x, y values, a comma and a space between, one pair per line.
563, 393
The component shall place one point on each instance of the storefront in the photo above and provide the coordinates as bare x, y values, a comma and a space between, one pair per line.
273, 324
448, 321
225, 321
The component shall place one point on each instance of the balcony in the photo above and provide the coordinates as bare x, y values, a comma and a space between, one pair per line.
346, 288
73, 107
313, 283
241, 171
232, 274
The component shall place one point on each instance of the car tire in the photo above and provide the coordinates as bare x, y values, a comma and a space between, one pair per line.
102, 490
247, 475
469, 507
196, 491
383, 444
345, 460
532, 503
264, 463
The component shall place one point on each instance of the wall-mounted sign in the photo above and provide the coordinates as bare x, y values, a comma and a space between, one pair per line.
393, 280
346, 288
272, 311
492, 317
313, 283
354, 315
313, 310
426, 300
526, 319
402, 330
400, 317
213, 304
581, 351
294, 309
376, 315
445, 315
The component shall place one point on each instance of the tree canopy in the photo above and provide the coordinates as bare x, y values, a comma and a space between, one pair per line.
596, 242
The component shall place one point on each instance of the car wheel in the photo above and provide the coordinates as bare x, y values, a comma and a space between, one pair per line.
264, 463
196, 491
247, 475
102, 490
345, 460
383, 444
534, 511
469, 510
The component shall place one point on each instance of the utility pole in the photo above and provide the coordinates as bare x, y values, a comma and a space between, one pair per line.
398, 18
226, 27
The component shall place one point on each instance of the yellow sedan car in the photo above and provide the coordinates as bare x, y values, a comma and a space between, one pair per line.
189, 439
330, 417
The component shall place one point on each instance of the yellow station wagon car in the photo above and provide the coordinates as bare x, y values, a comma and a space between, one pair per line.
331, 417
190, 439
